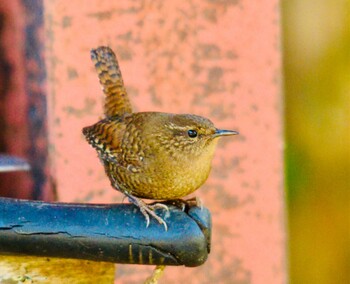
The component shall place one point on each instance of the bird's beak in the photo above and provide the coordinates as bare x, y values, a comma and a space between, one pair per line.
221, 132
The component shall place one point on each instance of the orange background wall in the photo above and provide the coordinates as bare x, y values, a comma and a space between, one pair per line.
219, 59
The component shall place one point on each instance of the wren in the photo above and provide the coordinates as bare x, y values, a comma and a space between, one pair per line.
152, 155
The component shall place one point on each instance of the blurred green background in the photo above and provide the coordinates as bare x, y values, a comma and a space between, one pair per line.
317, 89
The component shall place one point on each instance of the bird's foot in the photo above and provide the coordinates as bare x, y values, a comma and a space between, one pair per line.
148, 210
195, 201
185, 204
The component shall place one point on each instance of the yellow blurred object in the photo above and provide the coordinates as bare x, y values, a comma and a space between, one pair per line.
31, 269
317, 88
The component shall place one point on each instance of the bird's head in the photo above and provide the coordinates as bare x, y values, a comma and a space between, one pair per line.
187, 134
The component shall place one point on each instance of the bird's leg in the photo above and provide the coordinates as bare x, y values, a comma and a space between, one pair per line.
157, 273
148, 210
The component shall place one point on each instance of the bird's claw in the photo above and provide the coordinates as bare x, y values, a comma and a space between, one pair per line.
148, 210
158, 206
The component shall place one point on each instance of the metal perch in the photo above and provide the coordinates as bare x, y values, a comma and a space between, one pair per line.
107, 232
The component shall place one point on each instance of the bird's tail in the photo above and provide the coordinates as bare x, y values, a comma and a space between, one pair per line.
116, 101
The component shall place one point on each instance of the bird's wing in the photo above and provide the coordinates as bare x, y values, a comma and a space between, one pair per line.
106, 137
116, 101
113, 145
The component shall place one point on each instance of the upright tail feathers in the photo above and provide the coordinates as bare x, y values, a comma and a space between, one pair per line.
116, 101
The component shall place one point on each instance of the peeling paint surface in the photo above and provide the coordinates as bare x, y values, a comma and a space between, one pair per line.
218, 59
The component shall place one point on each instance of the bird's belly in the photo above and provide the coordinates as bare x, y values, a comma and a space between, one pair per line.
175, 183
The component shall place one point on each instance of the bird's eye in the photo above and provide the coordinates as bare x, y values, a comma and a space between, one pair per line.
192, 133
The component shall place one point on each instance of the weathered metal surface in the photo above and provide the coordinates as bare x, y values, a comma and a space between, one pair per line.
218, 59
112, 233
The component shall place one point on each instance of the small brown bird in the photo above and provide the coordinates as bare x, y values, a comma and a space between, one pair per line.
151, 155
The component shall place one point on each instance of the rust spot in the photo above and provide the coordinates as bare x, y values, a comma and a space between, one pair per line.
66, 22
124, 52
72, 73
207, 52
88, 107
103, 15
225, 2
